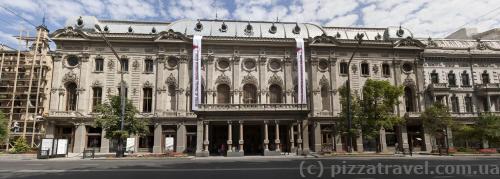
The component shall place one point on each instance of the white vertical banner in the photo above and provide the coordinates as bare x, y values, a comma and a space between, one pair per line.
301, 71
196, 88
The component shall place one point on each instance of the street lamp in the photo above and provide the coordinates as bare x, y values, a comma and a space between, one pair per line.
119, 151
359, 38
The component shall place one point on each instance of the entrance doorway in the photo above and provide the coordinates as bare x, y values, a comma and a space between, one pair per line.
253, 140
218, 140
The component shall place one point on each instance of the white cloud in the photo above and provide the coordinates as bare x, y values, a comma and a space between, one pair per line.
193, 9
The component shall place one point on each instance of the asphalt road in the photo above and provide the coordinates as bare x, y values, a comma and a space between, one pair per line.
260, 168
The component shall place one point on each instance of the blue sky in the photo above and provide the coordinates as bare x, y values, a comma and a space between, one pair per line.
435, 18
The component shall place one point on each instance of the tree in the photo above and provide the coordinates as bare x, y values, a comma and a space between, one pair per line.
377, 108
3, 127
487, 128
108, 119
436, 119
373, 111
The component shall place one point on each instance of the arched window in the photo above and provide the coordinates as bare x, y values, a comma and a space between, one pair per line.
486, 77
71, 96
452, 81
223, 94
147, 100
172, 96
275, 94
465, 79
96, 97
365, 69
409, 99
249, 93
325, 100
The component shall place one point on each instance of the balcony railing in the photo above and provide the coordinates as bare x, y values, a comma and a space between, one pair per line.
253, 107
488, 86
439, 86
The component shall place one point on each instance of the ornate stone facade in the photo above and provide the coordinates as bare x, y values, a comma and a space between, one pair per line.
248, 84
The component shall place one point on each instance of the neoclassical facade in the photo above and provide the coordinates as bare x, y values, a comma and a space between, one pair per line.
249, 83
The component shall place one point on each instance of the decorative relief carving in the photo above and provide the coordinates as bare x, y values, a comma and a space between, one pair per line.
249, 79
223, 79
323, 81
111, 64
96, 83
70, 77
481, 45
148, 84
135, 64
375, 68
275, 79
171, 80
161, 90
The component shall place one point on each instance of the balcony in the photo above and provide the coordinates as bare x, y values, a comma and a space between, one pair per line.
488, 89
439, 88
253, 108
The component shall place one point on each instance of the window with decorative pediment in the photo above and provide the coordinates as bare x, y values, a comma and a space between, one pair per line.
124, 65
147, 100
365, 69
468, 104
148, 66
344, 69
409, 96
223, 95
96, 97
325, 99
249, 94
386, 70
434, 77
454, 104
452, 81
71, 96
172, 96
485, 77
275, 94
99, 65
465, 79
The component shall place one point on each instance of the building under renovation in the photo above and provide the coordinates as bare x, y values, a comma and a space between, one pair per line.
24, 85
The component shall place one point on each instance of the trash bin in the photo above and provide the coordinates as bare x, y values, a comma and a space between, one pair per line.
43, 154
88, 154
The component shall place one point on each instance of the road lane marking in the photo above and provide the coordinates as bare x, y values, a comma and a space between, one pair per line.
34, 164
90, 164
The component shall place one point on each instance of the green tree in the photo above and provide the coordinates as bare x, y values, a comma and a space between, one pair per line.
108, 118
465, 132
3, 127
372, 112
377, 108
436, 119
487, 128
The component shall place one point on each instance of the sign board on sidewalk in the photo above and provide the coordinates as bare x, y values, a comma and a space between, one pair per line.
169, 144
130, 145
47, 145
62, 147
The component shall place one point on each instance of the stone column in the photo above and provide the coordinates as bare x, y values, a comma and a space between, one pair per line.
299, 137
359, 141
450, 137
209, 79
80, 136
427, 140
317, 137
277, 141
488, 101
305, 137
199, 139
316, 104
404, 137
157, 147
292, 139
266, 137
287, 80
183, 81
338, 143
104, 143
383, 141
50, 130
136, 144
206, 141
241, 142
236, 80
229, 137
181, 138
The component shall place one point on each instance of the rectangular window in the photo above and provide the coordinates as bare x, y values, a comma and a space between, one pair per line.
365, 69
434, 78
148, 66
96, 97
99, 64
147, 101
451, 80
344, 68
465, 79
454, 104
468, 104
120, 92
386, 70
124, 65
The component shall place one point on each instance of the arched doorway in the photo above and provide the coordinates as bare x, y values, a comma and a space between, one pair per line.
409, 101
275, 94
223, 96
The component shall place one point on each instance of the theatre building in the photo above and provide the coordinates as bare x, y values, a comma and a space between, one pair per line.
257, 94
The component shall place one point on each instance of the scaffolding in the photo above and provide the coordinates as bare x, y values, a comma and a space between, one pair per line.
24, 87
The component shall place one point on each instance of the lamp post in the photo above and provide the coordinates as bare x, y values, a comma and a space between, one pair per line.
119, 151
359, 38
